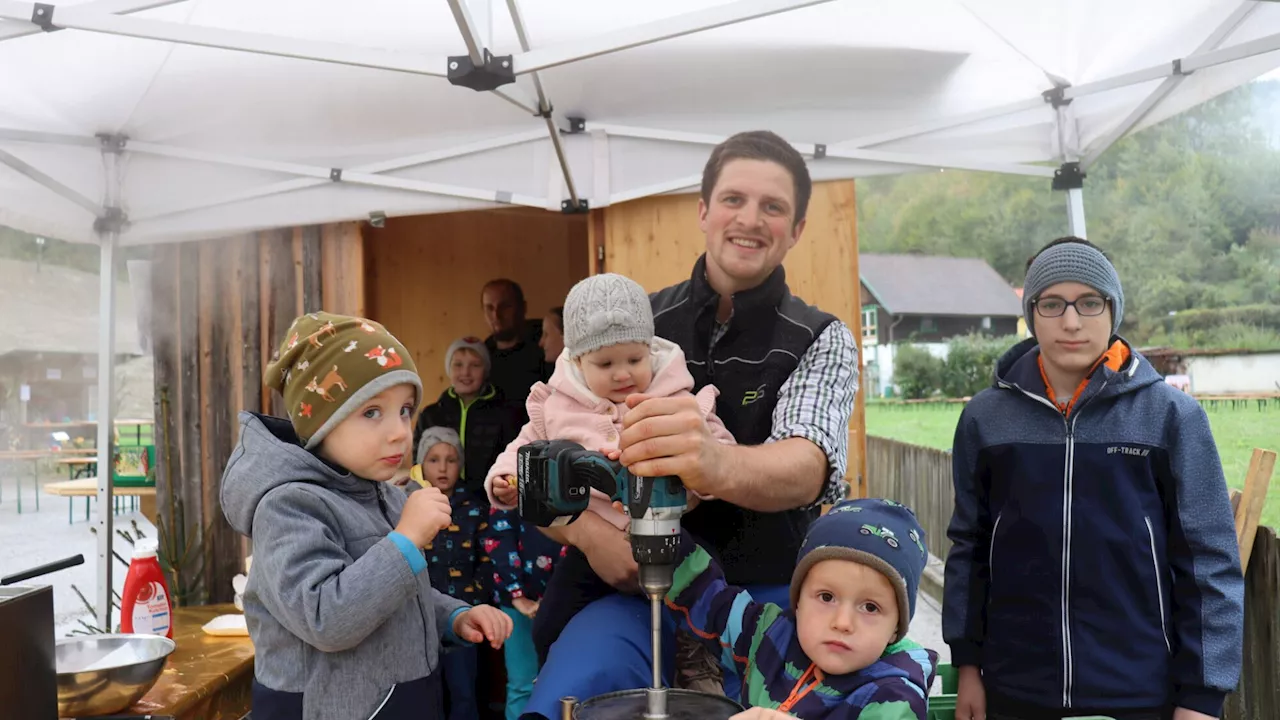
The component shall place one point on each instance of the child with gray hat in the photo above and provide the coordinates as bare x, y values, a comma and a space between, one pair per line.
610, 353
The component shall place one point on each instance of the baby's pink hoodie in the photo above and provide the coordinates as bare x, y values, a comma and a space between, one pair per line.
564, 409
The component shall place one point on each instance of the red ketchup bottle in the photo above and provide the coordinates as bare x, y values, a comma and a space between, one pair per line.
145, 608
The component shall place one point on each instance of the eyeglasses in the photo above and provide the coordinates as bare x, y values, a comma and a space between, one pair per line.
1088, 306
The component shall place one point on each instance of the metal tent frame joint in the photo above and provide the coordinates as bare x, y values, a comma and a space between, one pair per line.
569, 207
819, 151
335, 174
112, 220
42, 17
114, 144
1069, 176
1177, 69
577, 126
1057, 96
545, 111
496, 71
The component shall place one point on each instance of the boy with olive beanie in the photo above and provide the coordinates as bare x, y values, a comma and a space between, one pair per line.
343, 619
843, 651
1094, 568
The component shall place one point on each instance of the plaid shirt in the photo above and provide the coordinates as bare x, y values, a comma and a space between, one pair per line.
816, 402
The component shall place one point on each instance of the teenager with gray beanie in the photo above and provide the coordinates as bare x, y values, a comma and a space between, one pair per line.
1089, 491
1072, 262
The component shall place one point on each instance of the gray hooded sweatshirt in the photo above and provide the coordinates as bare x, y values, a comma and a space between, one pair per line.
334, 607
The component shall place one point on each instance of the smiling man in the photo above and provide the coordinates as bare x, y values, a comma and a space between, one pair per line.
787, 375
1094, 568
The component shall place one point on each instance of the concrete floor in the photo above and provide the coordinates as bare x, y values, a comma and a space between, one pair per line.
36, 537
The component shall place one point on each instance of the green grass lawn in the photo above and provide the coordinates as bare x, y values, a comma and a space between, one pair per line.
1237, 431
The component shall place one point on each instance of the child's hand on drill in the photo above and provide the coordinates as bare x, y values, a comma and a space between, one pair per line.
505, 490
425, 513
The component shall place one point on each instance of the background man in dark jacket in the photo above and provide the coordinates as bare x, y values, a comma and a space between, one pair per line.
514, 353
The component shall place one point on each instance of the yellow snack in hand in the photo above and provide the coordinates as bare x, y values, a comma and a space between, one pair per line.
415, 473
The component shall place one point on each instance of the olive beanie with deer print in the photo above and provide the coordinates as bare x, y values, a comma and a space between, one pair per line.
329, 365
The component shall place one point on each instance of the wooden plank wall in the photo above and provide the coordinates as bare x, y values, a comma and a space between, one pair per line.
220, 308
424, 274
656, 240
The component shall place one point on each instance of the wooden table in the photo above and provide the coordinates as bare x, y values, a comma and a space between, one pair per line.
207, 677
88, 488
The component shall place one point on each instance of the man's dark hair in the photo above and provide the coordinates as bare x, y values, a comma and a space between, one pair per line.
510, 284
760, 145
558, 313
1062, 241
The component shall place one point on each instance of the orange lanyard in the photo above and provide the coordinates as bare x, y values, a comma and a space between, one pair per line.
800, 690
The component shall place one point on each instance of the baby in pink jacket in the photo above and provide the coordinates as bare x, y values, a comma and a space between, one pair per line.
610, 352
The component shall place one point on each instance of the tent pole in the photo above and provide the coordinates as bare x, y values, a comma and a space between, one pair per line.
1070, 175
105, 7
545, 112
1075, 212
108, 229
1171, 83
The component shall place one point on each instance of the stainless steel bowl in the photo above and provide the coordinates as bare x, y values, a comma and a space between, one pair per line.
105, 674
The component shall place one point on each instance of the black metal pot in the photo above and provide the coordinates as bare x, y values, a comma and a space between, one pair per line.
633, 705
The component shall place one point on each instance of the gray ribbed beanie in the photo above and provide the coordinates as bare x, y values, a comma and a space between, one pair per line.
433, 436
1072, 262
606, 310
475, 345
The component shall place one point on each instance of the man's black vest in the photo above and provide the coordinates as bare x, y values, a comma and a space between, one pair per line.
768, 334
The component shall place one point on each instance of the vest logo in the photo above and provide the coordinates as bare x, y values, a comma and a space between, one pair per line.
1122, 450
751, 396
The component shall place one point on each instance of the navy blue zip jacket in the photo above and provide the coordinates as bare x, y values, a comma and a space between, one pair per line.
1094, 561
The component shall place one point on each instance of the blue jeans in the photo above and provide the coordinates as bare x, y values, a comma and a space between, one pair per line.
606, 648
522, 662
459, 669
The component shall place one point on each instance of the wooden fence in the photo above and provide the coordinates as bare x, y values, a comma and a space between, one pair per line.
920, 478
1258, 697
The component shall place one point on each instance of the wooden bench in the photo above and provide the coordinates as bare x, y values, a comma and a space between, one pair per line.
87, 488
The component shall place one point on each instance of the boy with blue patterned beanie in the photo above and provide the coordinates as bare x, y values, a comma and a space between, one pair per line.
843, 650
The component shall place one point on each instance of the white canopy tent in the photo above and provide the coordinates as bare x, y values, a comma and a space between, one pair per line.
127, 122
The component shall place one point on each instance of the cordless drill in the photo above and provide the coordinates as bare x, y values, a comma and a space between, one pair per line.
555, 479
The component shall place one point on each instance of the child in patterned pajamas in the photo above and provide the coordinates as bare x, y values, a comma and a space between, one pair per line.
456, 562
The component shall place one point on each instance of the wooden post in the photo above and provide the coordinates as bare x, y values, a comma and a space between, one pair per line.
1256, 482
